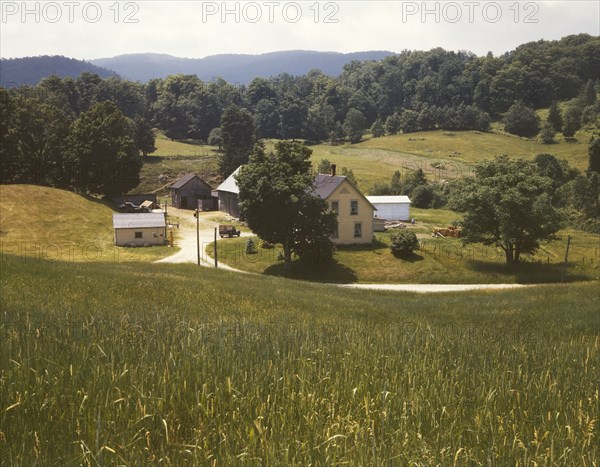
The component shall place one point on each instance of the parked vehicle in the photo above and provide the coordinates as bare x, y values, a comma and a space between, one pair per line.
130, 207
228, 231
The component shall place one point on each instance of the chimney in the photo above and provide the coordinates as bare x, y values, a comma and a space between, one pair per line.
333, 170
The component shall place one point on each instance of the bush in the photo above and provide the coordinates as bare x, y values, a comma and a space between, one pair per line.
422, 196
317, 254
403, 243
547, 133
250, 247
521, 120
266, 245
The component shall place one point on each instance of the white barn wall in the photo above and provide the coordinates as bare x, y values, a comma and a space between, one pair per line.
393, 212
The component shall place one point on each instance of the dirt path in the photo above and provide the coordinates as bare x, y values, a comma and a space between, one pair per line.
187, 242
188, 254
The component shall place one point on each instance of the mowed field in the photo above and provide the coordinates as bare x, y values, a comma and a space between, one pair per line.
439, 260
46, 223
155, 364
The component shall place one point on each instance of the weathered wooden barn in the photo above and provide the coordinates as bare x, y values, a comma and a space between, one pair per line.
228, 192
191, 192
140, 229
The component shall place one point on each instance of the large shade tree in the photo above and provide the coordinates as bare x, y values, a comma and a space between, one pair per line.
278, 201
507, 204
103, 155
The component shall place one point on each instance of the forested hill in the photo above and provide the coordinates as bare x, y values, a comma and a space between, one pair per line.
234, 68
30, 70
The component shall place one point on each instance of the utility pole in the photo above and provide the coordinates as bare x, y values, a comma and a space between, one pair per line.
198, 234
564, 271
216, 260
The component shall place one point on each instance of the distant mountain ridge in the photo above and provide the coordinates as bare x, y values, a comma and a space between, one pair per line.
29, 71
234, 68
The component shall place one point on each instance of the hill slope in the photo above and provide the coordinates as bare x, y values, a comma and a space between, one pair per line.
46, 223
30, 70
234, 68
130, 364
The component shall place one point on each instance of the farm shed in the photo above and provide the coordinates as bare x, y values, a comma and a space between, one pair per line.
139, 229
391, 208
228, 192
191, 192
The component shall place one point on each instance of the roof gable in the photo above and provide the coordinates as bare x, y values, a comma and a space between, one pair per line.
230, 184
181, 182
325, 185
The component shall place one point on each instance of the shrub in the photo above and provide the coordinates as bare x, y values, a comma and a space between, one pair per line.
403, 243
266, 245
521, 120
547, 133
250, 247
422, 196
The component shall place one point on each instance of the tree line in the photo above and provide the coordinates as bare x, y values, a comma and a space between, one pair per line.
410, 91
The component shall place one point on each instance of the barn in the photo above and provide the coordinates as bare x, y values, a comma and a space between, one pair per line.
227, 193
191, 192
142, 229
391, 208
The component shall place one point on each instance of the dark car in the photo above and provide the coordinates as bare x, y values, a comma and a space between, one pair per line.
130, 207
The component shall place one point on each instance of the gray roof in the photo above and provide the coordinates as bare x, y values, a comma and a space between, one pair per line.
138, 221
325, 184
183, 180
230, 184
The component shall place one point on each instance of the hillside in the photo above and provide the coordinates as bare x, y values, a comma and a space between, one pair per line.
30, 70
234, 68
46, 223
132, 364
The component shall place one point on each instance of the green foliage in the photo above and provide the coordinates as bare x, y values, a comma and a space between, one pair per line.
237, 132
355, 125
277, 201
377, 129
422, 196
393, 124
572, 120
507, 204
403, 243
215, 138
144, 137
554, 117
594, 155
521, 120
250, 247
349, 174
547, 133
102, 151
324, 166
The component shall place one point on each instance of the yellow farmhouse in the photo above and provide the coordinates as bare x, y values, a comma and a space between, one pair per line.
355, 212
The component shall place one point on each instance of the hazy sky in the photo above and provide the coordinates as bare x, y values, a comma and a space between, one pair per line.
87, 30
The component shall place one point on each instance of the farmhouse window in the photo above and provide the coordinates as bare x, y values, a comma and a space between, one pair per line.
139, 235
335, 207
357, 230
354, 208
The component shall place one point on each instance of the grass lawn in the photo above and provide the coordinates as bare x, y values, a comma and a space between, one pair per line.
136, 364
169, 148
441, 261
42, 222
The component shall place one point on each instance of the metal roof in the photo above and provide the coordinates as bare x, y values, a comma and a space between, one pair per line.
230, 184
389, 199
139, 221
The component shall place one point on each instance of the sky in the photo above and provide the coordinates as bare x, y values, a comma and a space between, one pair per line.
195, 29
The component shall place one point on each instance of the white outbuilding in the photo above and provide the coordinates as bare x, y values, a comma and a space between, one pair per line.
143, 229
391, 208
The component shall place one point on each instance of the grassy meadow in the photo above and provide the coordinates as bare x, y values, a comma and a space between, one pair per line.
122, 364
47, 223
439, 261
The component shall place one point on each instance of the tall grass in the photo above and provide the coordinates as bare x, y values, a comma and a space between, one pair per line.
139, 364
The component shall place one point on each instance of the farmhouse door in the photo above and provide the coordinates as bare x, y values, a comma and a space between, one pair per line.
183, 204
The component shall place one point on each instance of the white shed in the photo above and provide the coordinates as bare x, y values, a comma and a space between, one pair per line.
391, 208
139, 229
